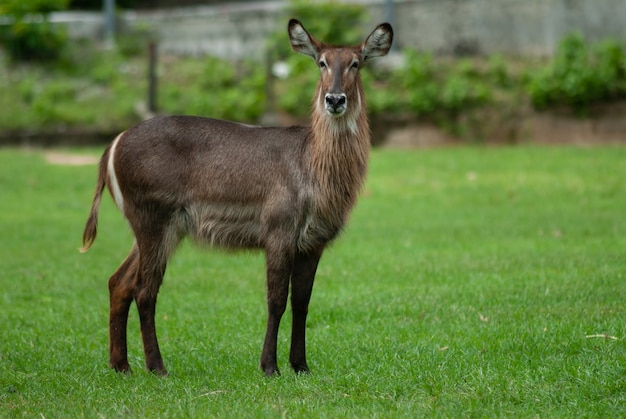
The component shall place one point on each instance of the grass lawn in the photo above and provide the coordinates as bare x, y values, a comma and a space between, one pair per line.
469, 282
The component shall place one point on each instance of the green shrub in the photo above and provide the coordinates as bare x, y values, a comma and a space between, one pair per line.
30, 36
580, 75
460, 92
134, 42
220, 89
49, 101
97, 4
498, 71
430, 88
33, 41
99, 93
417, 79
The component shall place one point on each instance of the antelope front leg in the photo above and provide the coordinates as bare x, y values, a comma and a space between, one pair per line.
304, 268
278, 271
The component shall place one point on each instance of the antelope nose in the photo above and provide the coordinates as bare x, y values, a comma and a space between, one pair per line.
335, 102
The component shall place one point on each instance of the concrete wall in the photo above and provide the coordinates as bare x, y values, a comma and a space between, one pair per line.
519, 27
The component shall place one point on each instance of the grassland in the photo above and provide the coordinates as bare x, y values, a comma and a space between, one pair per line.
470, 282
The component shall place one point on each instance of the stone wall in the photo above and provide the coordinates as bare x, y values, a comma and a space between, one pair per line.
459, 27
518, 27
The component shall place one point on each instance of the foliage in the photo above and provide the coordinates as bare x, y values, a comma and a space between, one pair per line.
97, 4
30, 37
86, 87
470, 282
97, 91
134, 42
100, 90
33, 41
436, 89
217, 88
580, 74
432, 89
19, 9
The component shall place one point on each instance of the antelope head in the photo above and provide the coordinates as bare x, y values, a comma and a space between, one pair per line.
339, 90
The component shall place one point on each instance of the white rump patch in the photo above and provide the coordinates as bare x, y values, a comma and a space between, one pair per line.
115, 186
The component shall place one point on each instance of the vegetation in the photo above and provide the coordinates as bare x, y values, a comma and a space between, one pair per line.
32, 40
215, 88
97, 4
426, 87
580, 74
470, 282
103, 90
98, 91
82, 86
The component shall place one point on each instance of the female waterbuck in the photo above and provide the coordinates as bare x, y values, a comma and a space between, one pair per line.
287, 191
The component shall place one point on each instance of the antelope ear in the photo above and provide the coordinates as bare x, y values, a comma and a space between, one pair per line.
378, 42
301, 41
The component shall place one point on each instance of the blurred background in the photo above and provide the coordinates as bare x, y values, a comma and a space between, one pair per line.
479, 71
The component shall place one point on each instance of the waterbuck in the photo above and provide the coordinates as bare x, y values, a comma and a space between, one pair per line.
287, 191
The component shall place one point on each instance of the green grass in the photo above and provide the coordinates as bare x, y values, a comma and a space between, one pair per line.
469, 282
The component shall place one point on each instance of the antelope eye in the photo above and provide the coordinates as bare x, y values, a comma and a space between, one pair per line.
355, 65
322, 64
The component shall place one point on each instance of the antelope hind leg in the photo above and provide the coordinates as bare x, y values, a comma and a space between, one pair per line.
121, 291
152, 264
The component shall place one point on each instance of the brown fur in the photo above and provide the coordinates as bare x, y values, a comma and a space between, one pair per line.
287, 191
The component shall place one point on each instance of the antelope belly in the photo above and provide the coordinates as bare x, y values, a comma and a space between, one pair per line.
226, 226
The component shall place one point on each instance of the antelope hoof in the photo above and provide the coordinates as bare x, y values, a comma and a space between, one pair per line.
162, 372
300, 368
122, 368
158, 369
271, 372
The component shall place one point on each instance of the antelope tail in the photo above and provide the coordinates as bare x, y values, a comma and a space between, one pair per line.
91, 226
